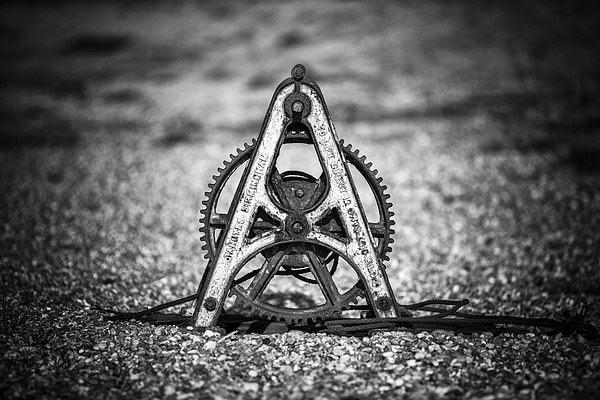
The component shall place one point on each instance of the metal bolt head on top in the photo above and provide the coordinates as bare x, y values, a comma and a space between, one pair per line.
298, 72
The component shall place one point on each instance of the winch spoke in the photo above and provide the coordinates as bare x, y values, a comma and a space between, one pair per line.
219, 221
324, 278
266, 273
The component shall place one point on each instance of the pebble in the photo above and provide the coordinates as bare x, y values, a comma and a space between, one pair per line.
210, 345
169, 390
338, 351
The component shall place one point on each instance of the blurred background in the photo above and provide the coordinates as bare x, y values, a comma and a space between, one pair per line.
482, 118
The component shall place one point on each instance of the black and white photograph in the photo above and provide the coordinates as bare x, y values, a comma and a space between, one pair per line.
338, 199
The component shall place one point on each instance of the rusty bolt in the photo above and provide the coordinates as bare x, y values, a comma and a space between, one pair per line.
297, 227
383, 303
298, 72
210, 303
299, 192
297, 106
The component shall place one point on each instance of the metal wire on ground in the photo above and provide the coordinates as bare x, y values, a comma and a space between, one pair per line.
446, 319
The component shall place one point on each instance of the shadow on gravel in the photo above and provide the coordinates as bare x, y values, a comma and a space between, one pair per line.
180, 129
45, 80
33, 127
96, 44
125, 96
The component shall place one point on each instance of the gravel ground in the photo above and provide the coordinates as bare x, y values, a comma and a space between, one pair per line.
481, 118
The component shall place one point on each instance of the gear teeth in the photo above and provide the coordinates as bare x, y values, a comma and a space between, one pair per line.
209, 202
208, 238
365, 168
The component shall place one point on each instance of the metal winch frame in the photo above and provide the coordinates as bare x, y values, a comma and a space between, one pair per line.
301, 231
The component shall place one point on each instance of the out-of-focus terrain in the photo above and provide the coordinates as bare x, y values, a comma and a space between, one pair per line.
481, 117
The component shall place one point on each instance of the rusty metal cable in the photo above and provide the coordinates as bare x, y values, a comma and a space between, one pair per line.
447, 319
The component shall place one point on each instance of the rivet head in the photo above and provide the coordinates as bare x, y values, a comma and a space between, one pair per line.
383, 303
297, 106
210, 303
298, 72
297, 227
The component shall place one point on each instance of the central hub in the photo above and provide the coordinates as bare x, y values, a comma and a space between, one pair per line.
297, 225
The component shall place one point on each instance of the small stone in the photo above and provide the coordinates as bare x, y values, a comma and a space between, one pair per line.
398, 382
344, 359
209, 333
338, 351
169, 390
250, 386
210, 345
434, 347
287, 370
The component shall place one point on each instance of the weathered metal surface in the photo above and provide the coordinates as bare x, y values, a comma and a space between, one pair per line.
310, 221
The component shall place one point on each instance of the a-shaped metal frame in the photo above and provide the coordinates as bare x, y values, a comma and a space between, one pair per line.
296, 100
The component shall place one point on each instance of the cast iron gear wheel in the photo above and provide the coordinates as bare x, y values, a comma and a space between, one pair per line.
213, 223
306, 310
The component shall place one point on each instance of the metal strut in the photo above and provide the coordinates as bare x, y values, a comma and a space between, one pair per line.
328, 224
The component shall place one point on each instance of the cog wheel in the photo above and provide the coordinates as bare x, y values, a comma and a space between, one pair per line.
212, 222
297, 260
275, 307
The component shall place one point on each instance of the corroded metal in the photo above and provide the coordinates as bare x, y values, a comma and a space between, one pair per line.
305, 222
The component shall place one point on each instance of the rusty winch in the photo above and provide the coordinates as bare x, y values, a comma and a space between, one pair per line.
291, 223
